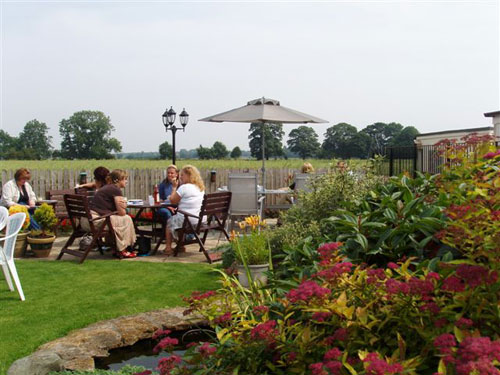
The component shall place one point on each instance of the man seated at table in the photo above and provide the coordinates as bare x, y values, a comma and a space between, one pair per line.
167, 186
19, 192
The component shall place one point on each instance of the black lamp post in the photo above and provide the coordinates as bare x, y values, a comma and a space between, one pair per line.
168, 118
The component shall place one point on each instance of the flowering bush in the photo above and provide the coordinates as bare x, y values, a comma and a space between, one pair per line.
350, 319
20, 208
472, 193
251, 248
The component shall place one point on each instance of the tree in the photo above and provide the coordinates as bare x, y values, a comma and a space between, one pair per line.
406, 137
219, 150
273, 137
35, 138
359, 146
204, 153
303, 141
381, 135
87, 135
236, 153
165, 150
7, 144
337, 140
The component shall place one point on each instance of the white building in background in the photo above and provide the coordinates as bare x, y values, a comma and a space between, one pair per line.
427, 158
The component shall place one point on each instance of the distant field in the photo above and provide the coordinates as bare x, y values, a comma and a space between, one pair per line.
153, 164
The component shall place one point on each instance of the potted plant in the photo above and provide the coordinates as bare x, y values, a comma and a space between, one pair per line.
41, 241
21, 241
252, 252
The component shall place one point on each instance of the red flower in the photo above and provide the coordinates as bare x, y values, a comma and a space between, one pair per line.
317, 369
328, 250
206, 350
220, 320
321, 316
166, 365
392, 266
335, 271
266, 332
453, 284
167, 343
464, 323
161, 333
307, 290
378, 366
332, 354
260, 310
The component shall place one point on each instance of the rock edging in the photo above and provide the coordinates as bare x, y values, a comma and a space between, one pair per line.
77, 350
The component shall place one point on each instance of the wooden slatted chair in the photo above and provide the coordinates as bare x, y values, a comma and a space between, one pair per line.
215, 208
77, 206
60, 207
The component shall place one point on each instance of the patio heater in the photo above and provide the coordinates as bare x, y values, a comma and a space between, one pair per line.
168, 118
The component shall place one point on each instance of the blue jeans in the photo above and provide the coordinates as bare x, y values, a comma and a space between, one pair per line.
164, 214
33, 224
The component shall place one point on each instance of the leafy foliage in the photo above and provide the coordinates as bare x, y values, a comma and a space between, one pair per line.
165, 150
303, 141
45, 217
236, 153
273, 139
343, 141
87, 135
382, 135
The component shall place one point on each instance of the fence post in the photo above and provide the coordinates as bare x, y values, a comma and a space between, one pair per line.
415, 155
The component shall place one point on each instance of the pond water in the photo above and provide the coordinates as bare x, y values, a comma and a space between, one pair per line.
141, 353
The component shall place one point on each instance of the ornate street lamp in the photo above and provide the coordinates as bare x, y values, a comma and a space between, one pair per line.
168, 118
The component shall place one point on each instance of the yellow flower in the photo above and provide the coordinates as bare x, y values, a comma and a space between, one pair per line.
242, 225
20, 208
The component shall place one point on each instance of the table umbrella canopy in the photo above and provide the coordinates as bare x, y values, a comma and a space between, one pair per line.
264, 110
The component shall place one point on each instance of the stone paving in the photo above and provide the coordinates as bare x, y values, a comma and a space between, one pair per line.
191, 255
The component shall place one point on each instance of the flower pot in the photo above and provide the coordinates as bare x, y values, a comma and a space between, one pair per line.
41, 246
21, 244
257, 273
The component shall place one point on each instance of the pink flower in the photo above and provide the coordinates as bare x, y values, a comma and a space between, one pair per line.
260, 310
220, 320
444, 343
307, 290
431, 307
328, 250
491, 155
375, 275
265, 332
334, 367
167, 343
317, 369
334, 271
464, 323
321, 316
332, 354
206, 350
477, 355
441, 322
392, 266
166, 365
292, 356
453, 284
378, 366
161, 333
394, 287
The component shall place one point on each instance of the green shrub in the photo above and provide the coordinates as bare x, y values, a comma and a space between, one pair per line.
45, 217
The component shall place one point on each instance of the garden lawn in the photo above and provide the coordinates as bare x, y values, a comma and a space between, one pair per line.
64, 295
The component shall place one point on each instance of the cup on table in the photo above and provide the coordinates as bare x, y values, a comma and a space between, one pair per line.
151, 200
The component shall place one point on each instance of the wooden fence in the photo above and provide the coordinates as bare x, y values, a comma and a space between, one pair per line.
142, 181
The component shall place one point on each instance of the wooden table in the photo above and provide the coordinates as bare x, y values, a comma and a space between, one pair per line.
154, 232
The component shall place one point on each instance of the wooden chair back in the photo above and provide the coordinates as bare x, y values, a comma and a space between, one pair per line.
58, 195
215, 208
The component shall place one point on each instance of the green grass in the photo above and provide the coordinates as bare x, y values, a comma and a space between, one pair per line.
63, 296
147, 164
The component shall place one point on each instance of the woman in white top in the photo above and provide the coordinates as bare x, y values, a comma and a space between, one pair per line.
188, 197
19, 192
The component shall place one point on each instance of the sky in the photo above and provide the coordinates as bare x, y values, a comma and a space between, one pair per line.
433, 65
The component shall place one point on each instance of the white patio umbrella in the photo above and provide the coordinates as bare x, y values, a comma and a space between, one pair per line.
264, 111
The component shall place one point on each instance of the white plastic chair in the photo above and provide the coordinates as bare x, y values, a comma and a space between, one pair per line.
245, 199
4, 214
7, 243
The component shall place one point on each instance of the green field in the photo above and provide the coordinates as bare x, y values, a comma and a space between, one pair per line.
152, 164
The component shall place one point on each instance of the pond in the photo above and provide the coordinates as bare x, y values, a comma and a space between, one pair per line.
141, 353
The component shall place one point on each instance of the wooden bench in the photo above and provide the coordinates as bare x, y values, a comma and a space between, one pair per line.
215, 208
77, 206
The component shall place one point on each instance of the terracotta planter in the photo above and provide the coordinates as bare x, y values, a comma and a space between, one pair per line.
41, 246
257, 273
21, 245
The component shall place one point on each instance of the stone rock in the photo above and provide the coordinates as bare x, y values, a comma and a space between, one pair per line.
78, 349
39, 363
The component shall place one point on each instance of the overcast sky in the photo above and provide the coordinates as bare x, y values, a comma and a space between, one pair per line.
432, 65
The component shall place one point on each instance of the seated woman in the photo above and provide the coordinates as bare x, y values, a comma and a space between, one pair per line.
19, 191
109, 198
166, 187
189, 198
100, 175
306, 168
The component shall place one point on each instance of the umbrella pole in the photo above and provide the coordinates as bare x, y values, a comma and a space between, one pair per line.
263, 158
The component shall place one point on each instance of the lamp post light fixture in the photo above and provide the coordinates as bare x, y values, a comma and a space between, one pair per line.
168, 118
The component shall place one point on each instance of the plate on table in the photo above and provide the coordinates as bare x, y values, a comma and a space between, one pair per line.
135, 201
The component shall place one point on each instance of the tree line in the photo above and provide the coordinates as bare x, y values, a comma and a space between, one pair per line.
87, 135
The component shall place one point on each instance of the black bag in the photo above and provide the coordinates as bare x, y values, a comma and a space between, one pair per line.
143, 245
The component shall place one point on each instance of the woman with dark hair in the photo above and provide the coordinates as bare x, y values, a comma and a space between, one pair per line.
100, 175
109, 199
19, 192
